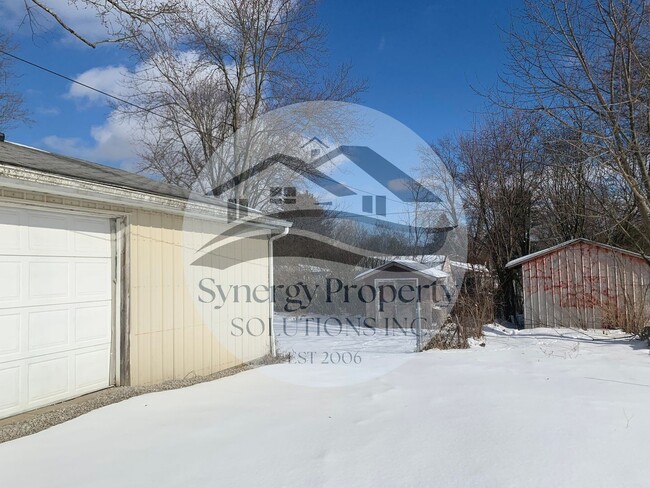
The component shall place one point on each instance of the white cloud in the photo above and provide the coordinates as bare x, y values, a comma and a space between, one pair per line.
109, 79
114, 141
47, 110
69, 146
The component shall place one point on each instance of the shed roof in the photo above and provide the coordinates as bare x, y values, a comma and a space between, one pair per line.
478, 268
529, 257
408, 264
436, 261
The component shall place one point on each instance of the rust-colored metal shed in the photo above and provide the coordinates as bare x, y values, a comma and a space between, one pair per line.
582, 283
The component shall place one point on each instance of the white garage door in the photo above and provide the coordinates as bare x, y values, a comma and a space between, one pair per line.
55, 307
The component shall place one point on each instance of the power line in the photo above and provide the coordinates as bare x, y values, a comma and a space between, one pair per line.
139, 107
92, 88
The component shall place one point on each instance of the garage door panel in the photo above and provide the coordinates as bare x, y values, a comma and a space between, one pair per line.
91, 237
37, 281
48, 329
47, 233
93, 279
50, 234
48, 379
48, 279
10, 233
9, 334
90, 369
92, 323
10, 282
9, 388
55, 307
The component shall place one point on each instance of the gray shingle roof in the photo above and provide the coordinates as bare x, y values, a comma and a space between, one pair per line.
35, 159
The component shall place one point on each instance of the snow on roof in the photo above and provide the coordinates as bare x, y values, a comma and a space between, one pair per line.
433, 260
424, 258
428, 264
471, 267
411, 264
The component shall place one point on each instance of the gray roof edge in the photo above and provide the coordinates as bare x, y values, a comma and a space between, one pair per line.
25, 169
15, 176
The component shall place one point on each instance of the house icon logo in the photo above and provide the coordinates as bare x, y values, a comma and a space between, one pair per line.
387, 174
345, 201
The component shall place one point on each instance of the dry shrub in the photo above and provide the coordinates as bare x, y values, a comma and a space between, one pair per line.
449, 336
474, 308
631, 316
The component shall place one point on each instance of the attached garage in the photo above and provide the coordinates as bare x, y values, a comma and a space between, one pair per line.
94, 290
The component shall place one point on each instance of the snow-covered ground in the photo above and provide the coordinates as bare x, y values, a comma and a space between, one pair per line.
540, 408
333, 352
331, 333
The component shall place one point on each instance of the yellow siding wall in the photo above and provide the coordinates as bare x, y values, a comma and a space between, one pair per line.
172, 334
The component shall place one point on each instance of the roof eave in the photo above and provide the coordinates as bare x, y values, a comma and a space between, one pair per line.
529, 257
20, 178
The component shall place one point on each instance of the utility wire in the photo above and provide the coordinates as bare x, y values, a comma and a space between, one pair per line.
135, 105
92, 88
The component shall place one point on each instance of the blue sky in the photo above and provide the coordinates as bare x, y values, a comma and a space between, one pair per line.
421, 59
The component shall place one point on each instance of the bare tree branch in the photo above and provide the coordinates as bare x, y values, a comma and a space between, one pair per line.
12, 110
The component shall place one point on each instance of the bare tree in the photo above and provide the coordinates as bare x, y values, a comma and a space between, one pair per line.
214, 69
586, 65
207, 70
575, 199
123, 19
499, 168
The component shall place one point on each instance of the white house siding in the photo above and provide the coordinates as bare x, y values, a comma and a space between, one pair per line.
575, 286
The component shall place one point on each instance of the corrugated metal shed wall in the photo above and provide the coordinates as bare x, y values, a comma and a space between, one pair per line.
169, 339
580, 284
